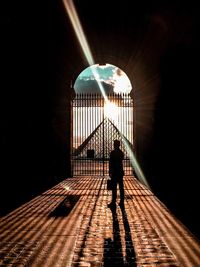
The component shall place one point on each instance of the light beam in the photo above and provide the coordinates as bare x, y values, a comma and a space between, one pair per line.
71, 11
135, 164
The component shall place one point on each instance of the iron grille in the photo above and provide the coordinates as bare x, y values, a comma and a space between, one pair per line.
94, 131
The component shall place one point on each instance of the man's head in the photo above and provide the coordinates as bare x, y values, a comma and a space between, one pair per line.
116, 143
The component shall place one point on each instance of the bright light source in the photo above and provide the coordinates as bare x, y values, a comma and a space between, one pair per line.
111, 111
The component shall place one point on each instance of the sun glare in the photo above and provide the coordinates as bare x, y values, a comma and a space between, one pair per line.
111, 111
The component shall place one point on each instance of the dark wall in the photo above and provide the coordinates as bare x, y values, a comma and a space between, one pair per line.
34, 137
175, 145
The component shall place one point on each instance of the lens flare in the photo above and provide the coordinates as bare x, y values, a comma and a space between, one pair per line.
96, 75
71, 11
67, 188
111, 111
135, 164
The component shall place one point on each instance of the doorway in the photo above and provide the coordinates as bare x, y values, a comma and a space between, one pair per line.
99, 119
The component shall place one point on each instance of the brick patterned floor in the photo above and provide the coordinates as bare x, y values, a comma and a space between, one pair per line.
71, 225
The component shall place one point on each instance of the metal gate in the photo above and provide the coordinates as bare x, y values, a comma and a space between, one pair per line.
96, 124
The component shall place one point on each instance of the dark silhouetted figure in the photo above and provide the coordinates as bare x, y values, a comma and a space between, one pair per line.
116, 173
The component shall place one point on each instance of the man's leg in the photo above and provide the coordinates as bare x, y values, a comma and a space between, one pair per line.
121, 189
114, 192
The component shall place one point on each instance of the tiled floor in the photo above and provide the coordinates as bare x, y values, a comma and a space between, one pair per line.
71, 225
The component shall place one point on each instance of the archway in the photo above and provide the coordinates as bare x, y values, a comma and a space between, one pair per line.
102, 111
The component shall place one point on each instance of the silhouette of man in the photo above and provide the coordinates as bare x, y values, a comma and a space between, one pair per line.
116, 173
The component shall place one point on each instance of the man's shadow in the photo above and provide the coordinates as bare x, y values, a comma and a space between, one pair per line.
113, 250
